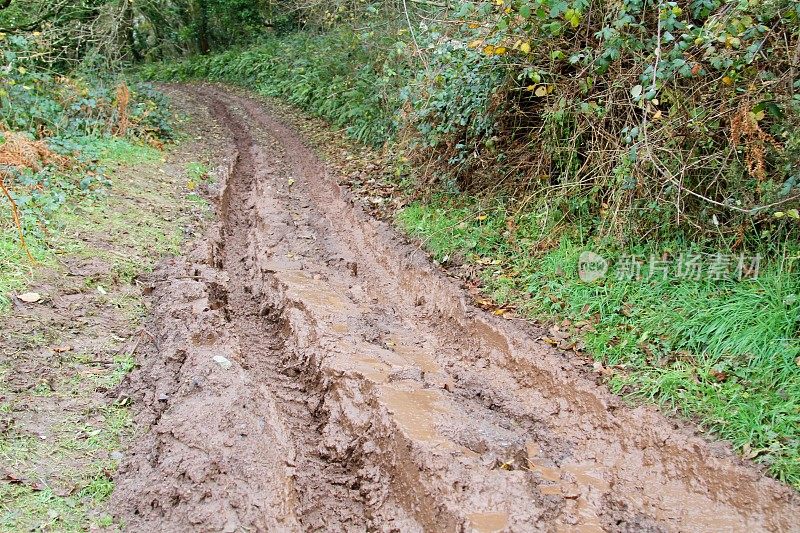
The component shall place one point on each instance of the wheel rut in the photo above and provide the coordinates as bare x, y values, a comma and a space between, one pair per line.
315, 373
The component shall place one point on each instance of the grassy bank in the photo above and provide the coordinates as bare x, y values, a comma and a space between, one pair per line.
47, 234
82, 211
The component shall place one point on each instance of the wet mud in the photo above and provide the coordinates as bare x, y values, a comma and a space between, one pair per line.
312, 371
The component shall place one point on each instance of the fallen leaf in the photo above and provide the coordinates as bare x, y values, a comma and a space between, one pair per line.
30, 297
62, 349
718, 375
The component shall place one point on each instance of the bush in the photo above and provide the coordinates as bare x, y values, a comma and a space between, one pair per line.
47, 126
350, 79
642, 118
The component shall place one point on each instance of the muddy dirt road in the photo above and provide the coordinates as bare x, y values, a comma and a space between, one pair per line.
312, 371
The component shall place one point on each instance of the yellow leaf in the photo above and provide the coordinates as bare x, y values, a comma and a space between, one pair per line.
474, 26
500, 50
727, 80
530, 88
657, 115
481, 217
499, 2
540, 91
525, 48
191, 185
488, 50
22, 70
476, 43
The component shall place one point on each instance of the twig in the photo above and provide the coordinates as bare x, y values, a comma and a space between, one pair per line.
17, 220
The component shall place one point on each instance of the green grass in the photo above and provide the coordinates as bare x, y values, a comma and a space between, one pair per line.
16, 267
119, 151
724, 353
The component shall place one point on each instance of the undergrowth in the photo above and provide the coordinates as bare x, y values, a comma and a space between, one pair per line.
54, 133
351, 79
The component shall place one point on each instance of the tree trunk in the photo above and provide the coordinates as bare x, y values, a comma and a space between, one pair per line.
202, 27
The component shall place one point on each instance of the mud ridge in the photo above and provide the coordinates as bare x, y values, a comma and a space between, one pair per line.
354, 388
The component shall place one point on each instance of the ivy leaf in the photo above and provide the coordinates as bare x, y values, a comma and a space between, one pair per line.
636, 91
525, 11
557, 8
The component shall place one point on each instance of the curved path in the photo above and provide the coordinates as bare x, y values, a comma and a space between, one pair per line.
315, 372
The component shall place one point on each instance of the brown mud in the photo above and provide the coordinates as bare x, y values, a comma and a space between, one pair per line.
313, 371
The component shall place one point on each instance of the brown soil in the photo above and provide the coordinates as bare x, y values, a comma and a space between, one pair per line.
312, 371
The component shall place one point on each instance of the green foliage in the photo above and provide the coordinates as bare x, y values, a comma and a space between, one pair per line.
677, 115
345, 77
43, 104
56, 133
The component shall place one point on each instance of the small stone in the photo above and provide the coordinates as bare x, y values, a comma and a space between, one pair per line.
117, 456
406, 373
30, 297
222, 361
